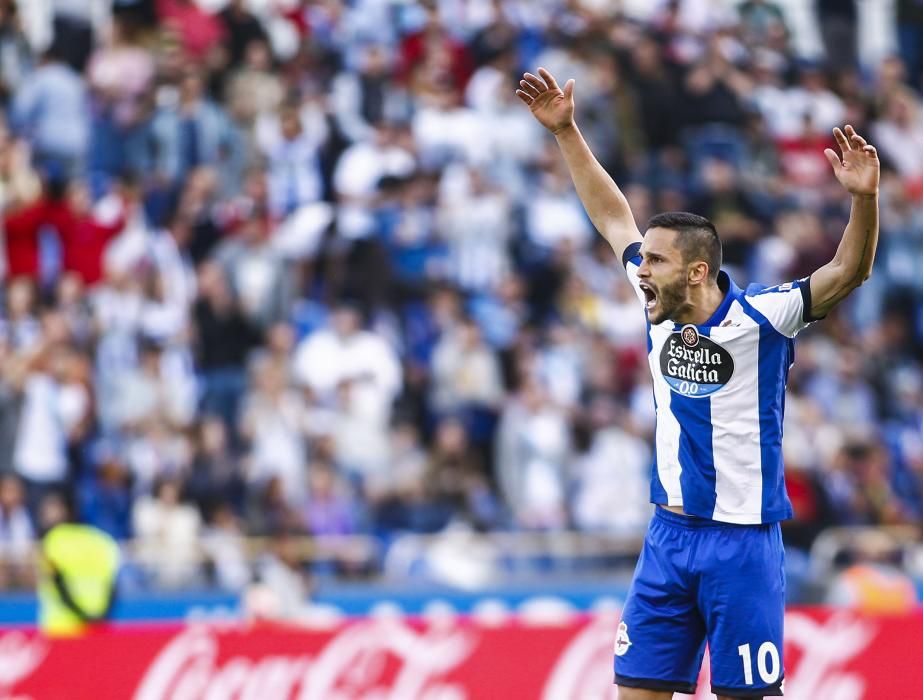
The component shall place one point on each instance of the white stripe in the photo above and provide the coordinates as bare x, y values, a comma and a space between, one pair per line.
783, 308
632, 271
735, 418
668, 466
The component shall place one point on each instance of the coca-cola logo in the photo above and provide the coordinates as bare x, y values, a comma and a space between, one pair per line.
446, 659
358, 664
20, 655
585, 668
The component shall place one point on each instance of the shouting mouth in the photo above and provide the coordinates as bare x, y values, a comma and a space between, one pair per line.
650, 296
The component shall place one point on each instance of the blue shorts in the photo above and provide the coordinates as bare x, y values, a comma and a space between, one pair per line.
700, 580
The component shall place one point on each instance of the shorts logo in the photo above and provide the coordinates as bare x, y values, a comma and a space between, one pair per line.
622, 642
695, 365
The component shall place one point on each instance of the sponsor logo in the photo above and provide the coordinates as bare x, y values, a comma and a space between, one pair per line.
698, 369
622, 641
20, 656
392, 660
377, 659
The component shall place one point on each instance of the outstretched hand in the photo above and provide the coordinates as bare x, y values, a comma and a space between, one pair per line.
859, 169
550, 105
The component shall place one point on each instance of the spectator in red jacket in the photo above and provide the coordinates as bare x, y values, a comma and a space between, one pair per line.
83, 236
21, 228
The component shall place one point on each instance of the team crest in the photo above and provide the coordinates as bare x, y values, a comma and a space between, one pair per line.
690, 335
622, 642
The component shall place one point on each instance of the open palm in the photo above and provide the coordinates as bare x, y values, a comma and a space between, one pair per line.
859, 169
550, 105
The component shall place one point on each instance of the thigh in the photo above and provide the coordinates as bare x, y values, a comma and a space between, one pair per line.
742, 599
661, 637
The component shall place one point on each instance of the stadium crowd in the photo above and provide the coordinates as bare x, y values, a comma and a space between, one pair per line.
310, 267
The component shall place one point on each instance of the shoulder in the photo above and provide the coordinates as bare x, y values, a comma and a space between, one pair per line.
786, 307
632, 254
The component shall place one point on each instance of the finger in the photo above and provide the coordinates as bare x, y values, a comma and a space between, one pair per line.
535, 82
525, 97
834, 159
528, 89
841, 139
871, 150
854, 138
549, 78
569, 88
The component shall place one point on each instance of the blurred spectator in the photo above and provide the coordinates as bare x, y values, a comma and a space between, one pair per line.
51, 110
199, 31
216, 479
242, 30
283, 587
168, 533
223, 545
329, 509
225, 338
14, 46
873, 582
533, 445
55, 408
78, 568
838, 26
104, 497
272, 424
293, 172
17, 534
466, 373
611, 478
190, 131
345, 352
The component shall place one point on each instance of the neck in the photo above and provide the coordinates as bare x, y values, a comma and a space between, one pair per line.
703, 301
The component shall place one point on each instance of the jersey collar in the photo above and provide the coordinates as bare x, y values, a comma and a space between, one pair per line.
730, 292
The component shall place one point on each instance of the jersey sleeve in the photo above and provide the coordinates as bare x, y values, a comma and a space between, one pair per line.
787, 306
631, 259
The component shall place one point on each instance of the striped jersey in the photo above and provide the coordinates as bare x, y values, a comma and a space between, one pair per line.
719, 391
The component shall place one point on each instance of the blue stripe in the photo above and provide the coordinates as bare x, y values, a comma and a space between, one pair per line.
658, 492
776, 352
696, 456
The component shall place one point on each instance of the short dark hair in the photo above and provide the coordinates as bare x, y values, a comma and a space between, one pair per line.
696, 237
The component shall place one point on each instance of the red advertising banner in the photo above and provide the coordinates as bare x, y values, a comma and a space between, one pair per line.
829, 655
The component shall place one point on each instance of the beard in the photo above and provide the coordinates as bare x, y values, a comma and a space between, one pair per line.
671, 298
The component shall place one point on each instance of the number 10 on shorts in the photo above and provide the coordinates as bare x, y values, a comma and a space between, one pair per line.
767, 663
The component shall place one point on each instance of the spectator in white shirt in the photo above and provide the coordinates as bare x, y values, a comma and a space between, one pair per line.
359, 172
55, 406
466, 371
346, 353
168, 532
899, 134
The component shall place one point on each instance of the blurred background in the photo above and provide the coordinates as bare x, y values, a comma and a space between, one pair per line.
299, 305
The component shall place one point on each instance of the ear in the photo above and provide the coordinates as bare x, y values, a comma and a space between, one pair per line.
697, 272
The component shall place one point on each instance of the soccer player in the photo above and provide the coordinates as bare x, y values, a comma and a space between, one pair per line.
712, 563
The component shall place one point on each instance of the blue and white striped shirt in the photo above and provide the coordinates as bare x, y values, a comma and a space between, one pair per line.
719, 390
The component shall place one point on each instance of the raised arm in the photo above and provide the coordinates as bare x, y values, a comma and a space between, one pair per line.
603, 200
858, 172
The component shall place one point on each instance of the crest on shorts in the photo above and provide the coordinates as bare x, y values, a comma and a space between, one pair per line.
690, 335
622, 642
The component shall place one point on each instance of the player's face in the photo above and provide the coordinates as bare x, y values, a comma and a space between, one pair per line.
663, 276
